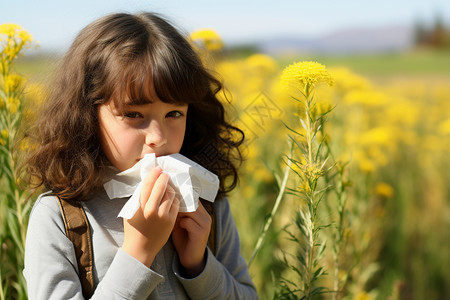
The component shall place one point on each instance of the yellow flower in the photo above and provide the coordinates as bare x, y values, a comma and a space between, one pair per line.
304, 187
3, 137
208, 39
232, 74
308, 173
346, 81
13, 83
262, 64
383, 189
363, 296
25, 144
13, 38
403, 111
307, 74
262, 174
444, 127
366, 97
9, 29
382, 135
297, 167
12, 104
313, 172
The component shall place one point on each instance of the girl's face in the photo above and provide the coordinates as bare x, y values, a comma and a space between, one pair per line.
127, 135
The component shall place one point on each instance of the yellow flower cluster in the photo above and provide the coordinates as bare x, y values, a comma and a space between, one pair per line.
13, 39
11, 85
207, 39
307, 74
262, 64
345, 80
313, 172
373, 122
310, 174
14, 30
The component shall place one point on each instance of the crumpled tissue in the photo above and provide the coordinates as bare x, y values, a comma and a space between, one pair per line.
190, 181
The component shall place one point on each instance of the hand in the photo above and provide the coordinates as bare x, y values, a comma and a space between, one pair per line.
190, 236
149, 229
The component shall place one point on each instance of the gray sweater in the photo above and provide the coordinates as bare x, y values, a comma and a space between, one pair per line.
51, 269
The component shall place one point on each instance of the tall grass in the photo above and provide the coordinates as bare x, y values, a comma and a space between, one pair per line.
14, 209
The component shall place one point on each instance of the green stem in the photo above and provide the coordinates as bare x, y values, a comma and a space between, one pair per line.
269, 220
310, 251
311, 196
308, 125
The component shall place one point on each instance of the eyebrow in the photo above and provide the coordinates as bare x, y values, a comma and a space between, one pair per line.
137, 102
127, 103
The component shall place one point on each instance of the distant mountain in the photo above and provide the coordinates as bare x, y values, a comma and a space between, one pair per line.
356, 40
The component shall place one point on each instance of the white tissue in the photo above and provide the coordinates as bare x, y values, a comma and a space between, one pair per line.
190, 180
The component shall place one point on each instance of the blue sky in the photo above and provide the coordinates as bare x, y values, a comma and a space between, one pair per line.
54, 24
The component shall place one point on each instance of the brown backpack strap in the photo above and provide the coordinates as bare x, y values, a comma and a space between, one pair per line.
77, 230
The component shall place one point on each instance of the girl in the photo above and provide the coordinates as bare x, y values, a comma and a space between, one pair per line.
131, 85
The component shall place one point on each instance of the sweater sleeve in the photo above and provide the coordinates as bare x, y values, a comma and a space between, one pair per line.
51, 268
225, 275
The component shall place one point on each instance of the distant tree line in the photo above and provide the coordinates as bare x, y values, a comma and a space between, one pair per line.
436, 36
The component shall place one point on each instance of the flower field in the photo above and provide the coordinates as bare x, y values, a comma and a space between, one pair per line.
345, 191
387, 212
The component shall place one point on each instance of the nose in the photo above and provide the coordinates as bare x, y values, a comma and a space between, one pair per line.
155, 136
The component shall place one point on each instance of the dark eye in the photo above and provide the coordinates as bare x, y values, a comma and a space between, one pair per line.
174, 114
132, 114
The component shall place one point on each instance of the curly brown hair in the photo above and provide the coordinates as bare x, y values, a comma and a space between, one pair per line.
116, 57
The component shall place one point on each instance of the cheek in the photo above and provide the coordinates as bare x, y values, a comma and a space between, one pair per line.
178, 138
127, 140
117, 141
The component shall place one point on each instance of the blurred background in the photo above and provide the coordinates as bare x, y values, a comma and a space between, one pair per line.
307, 26
390, 127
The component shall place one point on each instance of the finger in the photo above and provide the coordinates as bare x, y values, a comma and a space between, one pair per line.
177, 222
147, 185
188, 224
175, 206
200, 216
156, 195
167, 200
170, 193
193, 227
200, 209
194, 222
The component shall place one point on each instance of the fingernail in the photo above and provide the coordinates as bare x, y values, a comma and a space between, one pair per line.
159, 169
